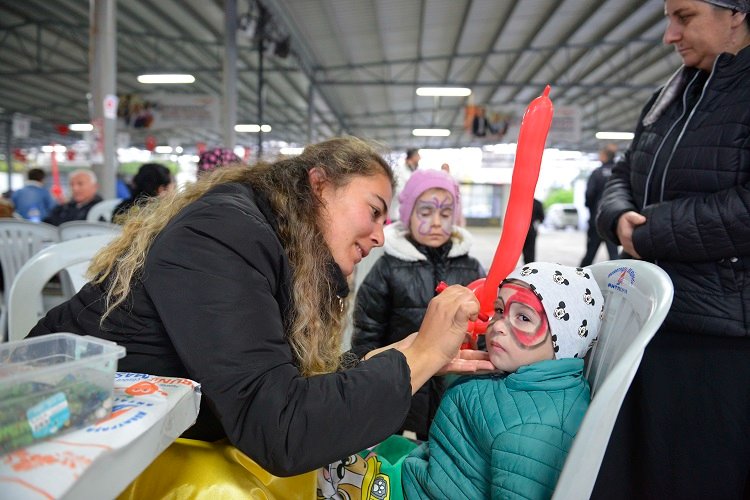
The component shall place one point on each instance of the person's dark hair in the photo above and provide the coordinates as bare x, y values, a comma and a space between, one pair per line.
148, 180
36, 174
411, 152
315, 325
609, 154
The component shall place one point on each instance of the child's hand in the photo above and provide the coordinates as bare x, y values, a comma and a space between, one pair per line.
469, 362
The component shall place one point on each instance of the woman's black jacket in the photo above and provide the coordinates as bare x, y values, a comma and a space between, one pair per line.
210, 306
688, 172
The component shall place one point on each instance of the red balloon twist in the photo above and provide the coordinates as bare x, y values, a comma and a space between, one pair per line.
535, 126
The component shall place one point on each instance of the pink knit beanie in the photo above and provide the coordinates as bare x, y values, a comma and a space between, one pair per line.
214, 158
419, 182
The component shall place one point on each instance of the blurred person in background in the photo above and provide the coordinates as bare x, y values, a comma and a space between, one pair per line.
594, 190
403, 173
680, 198
152, 180
122, 190
83, 194
33, 201
529, 244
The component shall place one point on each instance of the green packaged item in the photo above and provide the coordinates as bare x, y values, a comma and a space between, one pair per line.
53, 384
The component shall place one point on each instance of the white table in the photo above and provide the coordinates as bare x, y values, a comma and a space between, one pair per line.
99, 461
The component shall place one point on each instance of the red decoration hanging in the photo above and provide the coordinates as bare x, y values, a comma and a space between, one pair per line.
56, 189
150, 142
19, 155
62, 129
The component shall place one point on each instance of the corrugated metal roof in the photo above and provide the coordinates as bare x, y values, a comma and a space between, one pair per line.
362, 59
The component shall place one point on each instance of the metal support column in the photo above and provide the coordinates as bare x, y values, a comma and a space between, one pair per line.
9, 151
310, 111
229, 103
103, 64
262, 19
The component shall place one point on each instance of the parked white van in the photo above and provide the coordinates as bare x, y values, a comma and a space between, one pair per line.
561, 215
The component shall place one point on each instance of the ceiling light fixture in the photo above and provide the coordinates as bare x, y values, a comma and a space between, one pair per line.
615, 136
172, 78
290, 151
444, 91
81, 127
252, 128
431, 132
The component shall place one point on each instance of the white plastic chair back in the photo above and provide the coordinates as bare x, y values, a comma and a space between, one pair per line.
102, 211
82, 228
25, 305
19, 241
637, 297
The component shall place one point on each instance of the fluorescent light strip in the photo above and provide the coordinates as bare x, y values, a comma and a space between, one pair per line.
171, 78
289, 151
431, 132
444, 91
615, 136
252, 128
81, 127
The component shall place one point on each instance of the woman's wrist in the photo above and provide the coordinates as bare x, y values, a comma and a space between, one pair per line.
423, 364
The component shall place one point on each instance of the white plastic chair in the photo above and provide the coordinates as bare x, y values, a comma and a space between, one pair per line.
82, 228
19, 241
102, 211
637, 297
25, 305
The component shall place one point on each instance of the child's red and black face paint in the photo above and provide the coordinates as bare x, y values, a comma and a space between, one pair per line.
523, 316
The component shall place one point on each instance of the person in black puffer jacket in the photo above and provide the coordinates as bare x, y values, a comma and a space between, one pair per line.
681, 198
422, 249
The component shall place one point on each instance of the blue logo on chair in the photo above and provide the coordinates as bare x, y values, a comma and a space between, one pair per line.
623, 276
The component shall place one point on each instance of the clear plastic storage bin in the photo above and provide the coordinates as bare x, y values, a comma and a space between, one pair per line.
52, 384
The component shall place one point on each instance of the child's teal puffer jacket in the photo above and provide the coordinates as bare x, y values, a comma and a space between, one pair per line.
501, 436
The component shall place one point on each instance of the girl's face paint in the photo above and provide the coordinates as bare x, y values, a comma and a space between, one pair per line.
518, 334
431, 221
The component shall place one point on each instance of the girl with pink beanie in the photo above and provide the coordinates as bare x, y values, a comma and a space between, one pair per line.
425, 247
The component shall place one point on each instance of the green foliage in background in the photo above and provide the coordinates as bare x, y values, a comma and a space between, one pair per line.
558, 195
131, 168
127, 169
17, 166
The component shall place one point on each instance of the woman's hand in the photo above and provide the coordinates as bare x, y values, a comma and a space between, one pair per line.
442, 331
400, 345
625, 226
469, 362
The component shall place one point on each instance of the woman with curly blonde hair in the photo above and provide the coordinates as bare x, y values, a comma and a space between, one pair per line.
238, 281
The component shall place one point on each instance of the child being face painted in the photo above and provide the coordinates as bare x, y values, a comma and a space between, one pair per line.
544, 311
519, 333
510, 432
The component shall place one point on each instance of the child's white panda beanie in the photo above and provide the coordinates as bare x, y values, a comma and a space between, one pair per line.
572, 301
